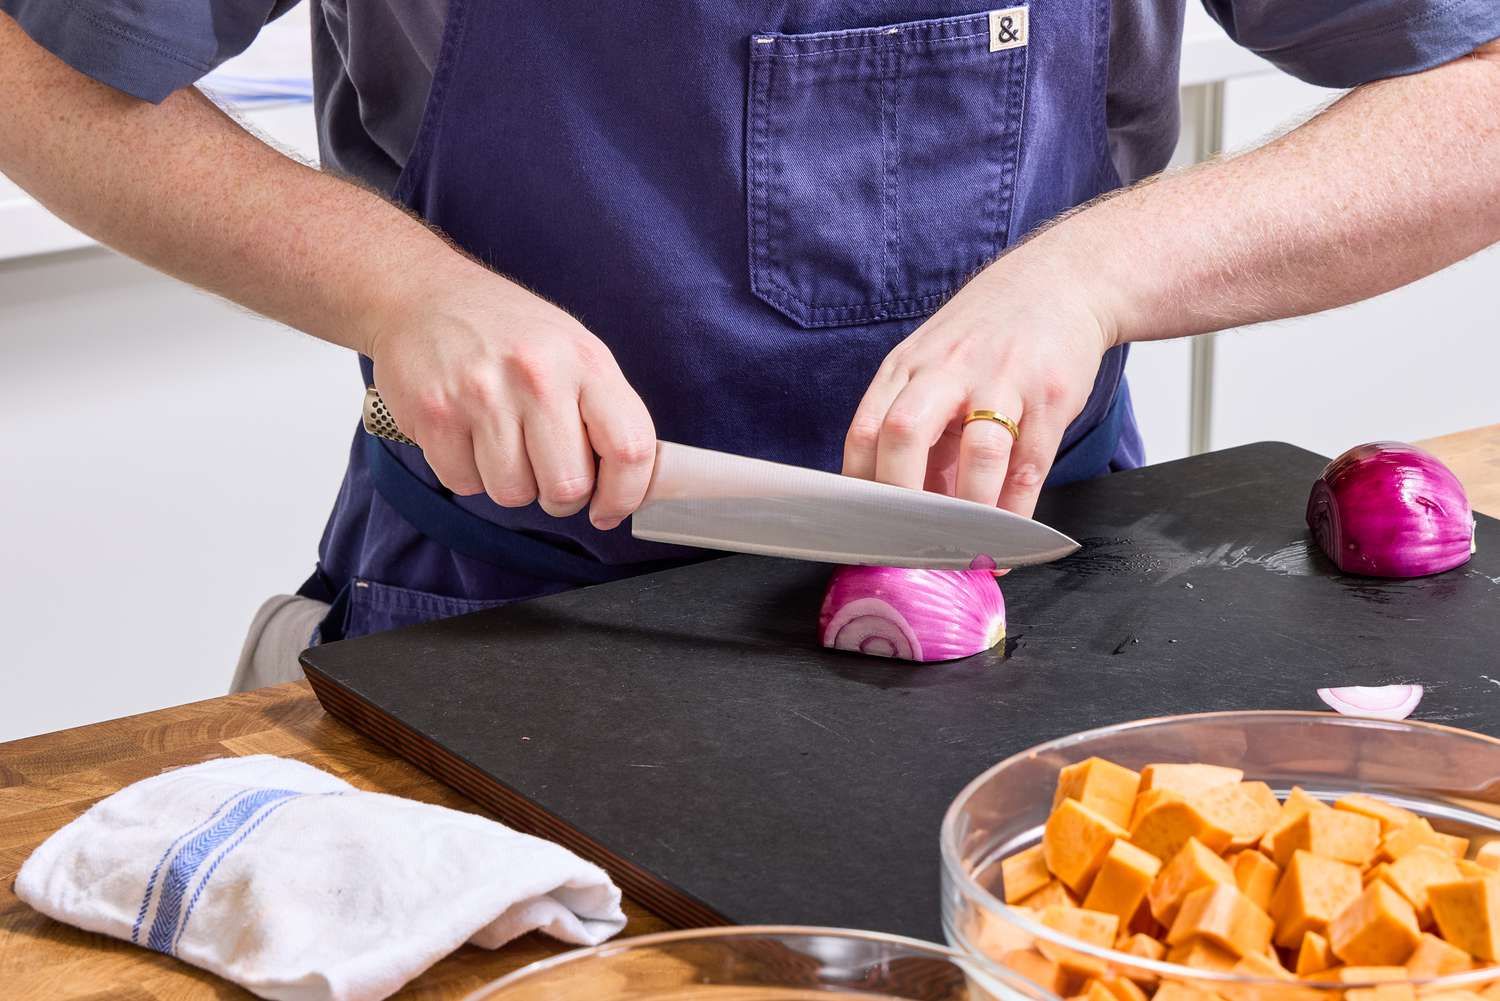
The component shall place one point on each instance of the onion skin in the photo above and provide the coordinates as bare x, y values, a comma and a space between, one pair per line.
1389, 702
917, 615
1387, 509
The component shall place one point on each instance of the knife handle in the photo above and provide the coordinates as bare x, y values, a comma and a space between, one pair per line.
379, 422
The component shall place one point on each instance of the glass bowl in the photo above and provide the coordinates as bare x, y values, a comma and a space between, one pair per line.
1452, 777
769, 963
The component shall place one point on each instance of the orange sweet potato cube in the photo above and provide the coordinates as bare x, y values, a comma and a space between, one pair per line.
1164, 826
1122, 881
1054, 894
1188, 780
1390, 816
1092, 927
1024, 873
1123, 989
1413, 872
1192, 867
1174, 991
1468, 869
1314, 956
1457, 847
1094, 990
1202, 954
1467, 913
1075, 842
1140, 945
1293, 807
1103, 786
1336, 834
1369, 974
1312, 892
1224, 916
1435, 958
1040, 970
994, 937
1488, 855
1256, 877
1405, 839
1378, 929
1245, 809
1382, 992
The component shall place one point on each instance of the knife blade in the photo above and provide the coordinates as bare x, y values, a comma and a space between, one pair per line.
714, 500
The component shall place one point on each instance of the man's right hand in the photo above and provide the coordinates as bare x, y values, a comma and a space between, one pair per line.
510, 396
507, 394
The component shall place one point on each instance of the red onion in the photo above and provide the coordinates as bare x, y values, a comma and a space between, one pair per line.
1389, 702
921, 615
1391, 510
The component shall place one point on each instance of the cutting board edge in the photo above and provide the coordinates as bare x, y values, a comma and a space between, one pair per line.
352, 710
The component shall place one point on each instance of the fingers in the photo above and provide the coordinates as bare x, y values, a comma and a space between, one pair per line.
561, 460
450, 453
862, 443
500, 453
1031, 459
622, 435
912, 425
984, 454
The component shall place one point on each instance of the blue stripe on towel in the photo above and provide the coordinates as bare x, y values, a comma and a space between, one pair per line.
180, 873
135, 929
188, 916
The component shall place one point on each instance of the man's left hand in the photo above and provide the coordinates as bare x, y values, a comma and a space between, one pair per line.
1018, 340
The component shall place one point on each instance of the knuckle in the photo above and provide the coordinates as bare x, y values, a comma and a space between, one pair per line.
1055, 389
902, 425
532, 370
1026, 475
479, 386
435, 411
988, 452
569, 491
634, 450
512, 494
863, 434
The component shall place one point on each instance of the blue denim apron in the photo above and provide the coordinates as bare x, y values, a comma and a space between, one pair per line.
750, 203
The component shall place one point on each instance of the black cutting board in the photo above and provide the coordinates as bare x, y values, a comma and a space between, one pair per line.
685, 730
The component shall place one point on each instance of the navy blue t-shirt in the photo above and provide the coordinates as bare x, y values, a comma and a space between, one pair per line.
373, 59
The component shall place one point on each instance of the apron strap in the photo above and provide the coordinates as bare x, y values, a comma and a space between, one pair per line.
436, 515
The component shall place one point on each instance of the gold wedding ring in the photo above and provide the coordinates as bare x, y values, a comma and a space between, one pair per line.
998, 418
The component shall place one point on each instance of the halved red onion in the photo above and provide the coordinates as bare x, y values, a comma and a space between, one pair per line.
920, 615
1387, 702
1387, 509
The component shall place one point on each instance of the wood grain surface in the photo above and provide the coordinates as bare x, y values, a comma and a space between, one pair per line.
1474, 456
48, 780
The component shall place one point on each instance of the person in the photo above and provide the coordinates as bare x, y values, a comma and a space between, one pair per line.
815, 232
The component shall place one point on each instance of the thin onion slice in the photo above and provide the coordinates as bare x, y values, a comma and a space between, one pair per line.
918, 615
1386, 702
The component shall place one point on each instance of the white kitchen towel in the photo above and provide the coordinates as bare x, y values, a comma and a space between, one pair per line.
297, 886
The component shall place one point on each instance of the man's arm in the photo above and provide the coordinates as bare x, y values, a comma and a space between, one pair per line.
1398, 179
505, 392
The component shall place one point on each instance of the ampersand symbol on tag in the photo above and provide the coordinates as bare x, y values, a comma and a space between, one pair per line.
1007, 32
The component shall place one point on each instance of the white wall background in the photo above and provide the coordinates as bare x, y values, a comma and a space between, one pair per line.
167, 461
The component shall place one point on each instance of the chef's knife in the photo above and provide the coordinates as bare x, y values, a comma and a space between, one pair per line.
714, 500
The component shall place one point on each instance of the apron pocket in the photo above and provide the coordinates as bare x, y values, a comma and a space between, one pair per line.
881, 166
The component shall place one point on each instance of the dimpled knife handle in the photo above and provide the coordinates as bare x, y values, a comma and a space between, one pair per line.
378, 420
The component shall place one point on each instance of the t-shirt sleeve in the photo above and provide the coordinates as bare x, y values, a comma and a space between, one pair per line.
1344, 43
146, 48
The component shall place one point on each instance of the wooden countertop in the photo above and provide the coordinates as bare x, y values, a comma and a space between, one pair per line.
48, 780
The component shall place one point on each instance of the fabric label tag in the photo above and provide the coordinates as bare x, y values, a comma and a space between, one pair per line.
1008, 28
